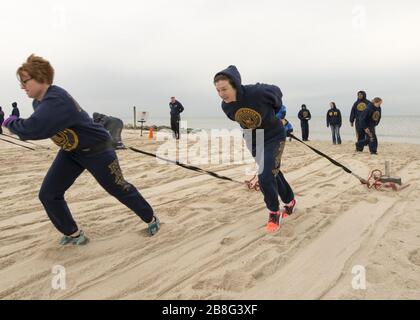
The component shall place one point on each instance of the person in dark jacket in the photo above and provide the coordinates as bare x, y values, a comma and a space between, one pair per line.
304, 116
15, 110
334, 122
85, 145
1, 120
356, 111
254, 107
369, 120
176, 110
114, 127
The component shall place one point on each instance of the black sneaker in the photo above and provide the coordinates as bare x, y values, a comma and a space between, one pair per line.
289, 208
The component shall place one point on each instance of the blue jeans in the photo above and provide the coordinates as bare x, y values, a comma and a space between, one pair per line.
335, 131
104, 166
272, 181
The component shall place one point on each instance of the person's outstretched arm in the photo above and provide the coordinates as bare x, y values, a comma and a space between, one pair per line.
51, 116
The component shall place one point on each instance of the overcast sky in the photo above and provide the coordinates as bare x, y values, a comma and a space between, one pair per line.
112, 55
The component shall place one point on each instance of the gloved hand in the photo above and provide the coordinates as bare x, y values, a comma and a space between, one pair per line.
8, 120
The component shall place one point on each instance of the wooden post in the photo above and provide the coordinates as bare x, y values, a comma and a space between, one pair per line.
135, 117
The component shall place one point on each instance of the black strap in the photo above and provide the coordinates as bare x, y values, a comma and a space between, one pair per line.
17, 144
323, 155
186, 166
34, 144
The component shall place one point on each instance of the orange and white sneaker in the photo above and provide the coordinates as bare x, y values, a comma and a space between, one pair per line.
274, 220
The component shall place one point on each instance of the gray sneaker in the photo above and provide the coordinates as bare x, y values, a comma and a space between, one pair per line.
154, 226
77, 241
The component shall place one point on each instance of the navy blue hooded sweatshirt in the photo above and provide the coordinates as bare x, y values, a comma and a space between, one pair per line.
370, 117
176, 108
59, 117
255, 106
358, 107
334, 117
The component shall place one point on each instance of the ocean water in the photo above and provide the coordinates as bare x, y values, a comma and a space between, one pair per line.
403, 129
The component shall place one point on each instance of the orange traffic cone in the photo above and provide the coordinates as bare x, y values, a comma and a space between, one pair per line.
151, 133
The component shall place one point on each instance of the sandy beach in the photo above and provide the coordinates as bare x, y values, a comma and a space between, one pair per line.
213, 243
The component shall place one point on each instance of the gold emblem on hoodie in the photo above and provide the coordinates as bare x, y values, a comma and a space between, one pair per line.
248, 118
361, 106
376, 115
66, 139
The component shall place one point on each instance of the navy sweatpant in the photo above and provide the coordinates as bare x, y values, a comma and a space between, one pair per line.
361, 136
272, 181
371, 141
104, 166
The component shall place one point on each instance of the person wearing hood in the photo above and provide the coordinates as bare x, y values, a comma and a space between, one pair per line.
356, 111
84, 145
304, 116
15, 110
282, 112
176, 110
281, 115
114, 127
254, 107
369, 120
1, 120
334, 122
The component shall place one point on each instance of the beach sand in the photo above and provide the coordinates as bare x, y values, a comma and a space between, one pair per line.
213, 243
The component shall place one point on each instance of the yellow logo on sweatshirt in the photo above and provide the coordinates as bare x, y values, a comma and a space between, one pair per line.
376, 116
66, 139
248, 118
361, 106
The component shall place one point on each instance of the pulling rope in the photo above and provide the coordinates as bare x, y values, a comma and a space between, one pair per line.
363, 181
17, 144
34, 144
185, 166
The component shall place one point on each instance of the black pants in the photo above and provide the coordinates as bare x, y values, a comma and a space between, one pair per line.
104, 166
370, 140
305, 130
360, 135
175, 125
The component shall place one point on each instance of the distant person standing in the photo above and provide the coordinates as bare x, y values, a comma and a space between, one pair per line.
356, 111
1, 120
334, 122
304, 116
369, 120
176, 110
15, 111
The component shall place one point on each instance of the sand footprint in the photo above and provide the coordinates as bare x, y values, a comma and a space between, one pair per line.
414, 257
227, 241
328, 185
